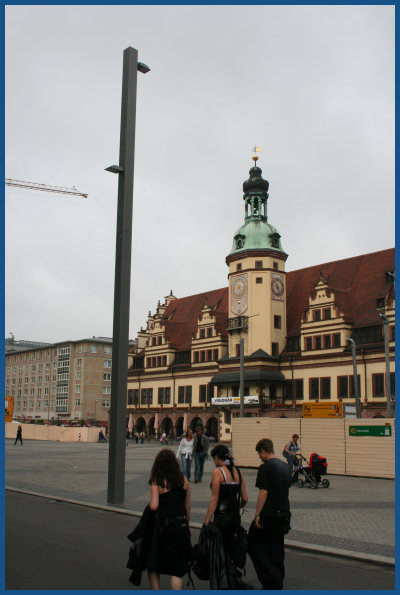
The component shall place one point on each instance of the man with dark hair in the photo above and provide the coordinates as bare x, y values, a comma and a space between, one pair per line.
272, 518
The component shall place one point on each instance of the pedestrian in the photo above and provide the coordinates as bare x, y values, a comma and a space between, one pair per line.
170, 497
164, 438
141, 437
127, 436
228, 496
137, 438
185, 453
200, 452
19, 435
272, 518
289, 452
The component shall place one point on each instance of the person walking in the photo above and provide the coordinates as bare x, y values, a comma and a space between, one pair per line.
185, 453
289, 452
200, 452
228, 496
167, 548
272, 518
19, 435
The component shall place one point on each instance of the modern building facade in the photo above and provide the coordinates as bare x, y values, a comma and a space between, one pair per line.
67, 381
294, 326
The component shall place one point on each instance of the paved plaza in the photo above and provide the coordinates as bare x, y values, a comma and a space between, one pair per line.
354, 515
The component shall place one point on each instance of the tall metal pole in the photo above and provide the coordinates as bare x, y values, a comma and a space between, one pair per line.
241, 383
355, 377
385, 321
122, 281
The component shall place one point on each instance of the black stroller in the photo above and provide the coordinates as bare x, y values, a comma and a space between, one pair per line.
312, 473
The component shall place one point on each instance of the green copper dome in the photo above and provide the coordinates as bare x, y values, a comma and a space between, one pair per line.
256, 233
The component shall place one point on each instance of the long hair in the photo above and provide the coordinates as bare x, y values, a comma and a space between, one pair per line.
165, 471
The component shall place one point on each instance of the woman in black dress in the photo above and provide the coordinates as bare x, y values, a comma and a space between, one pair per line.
170, 497
228, 495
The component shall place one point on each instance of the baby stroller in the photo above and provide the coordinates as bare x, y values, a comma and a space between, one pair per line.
312, 473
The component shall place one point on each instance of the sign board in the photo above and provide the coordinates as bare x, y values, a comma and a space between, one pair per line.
234, 400
329, 409
385, 430
9, 408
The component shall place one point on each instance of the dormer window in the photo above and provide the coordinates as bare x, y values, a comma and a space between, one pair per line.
239, 239
202, 333
317, 315
327, 313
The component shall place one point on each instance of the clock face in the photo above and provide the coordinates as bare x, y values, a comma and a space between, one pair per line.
277, 287
239, 294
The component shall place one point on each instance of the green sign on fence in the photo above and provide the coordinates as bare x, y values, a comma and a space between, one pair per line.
370, 430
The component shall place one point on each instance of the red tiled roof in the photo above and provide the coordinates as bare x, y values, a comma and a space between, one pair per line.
181, 316
357, 283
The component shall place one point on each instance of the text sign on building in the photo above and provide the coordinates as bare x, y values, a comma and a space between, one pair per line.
322, 409
385, 430
234, 400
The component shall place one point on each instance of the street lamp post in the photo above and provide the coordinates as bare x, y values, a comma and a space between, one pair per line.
241, 378
122, 282
385, 322
355, 377
95, 410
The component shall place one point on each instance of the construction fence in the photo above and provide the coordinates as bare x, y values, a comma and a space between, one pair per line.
358, 447
56, 433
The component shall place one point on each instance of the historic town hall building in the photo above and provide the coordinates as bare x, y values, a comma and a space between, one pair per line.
185, 365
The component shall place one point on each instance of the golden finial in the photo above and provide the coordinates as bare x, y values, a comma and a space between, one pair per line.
255, 156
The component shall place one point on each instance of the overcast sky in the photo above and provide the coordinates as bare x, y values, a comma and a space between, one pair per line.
313, 86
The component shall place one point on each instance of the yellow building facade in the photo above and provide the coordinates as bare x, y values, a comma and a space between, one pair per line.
294, 327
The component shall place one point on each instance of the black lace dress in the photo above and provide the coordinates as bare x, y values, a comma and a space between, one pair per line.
172, 536
227, 513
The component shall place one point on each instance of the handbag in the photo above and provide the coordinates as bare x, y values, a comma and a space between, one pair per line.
239, 547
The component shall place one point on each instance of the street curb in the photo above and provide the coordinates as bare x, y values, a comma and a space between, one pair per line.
298, 545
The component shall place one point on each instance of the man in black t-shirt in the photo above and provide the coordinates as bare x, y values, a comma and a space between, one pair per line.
272, 518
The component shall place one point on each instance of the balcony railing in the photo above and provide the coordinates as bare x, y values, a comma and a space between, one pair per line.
238, 323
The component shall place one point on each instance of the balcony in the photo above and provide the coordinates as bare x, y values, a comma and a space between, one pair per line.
238, 323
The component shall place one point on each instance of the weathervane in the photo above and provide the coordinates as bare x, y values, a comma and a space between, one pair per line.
256, 150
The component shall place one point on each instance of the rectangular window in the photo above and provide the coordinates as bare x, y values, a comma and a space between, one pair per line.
378, 388
314, 388
275, 266
77, 402
164, 360
107, 363
239, 266
343, 390
277, 322
209, 355
308, 344
196, 357
181, 394
106, 377
149, 362
92, 348
392, 384
202, 333
317, 315
106, 390
327, 341
130, 396
258, 280
167, 395
203, 356
159, 360
136, 396
325, 388
107, 349
227, 416
105, 403
188, 394
392, 333
209, 332
149, 396
336, 340
202, 393
144, 396
78, 375
78, 363
318, 343
327, 313
160, 396
259, 264
275, 349
215, 354
77, 388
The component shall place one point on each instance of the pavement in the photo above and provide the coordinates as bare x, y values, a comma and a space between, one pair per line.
352, 519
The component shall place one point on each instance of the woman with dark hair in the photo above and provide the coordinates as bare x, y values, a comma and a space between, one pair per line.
170, 498
228, 495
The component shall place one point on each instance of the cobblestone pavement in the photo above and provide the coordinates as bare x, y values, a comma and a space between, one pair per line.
354, 514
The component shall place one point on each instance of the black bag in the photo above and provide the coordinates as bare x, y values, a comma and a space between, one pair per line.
239, 547
200, 554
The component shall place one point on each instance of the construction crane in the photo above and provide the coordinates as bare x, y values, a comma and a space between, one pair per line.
44, 187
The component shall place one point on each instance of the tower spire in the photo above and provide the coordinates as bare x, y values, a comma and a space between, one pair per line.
255, 151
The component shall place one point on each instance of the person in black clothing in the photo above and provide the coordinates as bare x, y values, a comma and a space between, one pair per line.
272, 518
200, 451
19, 435
170, 542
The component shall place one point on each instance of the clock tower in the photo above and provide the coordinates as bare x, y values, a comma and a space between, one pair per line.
257, 278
